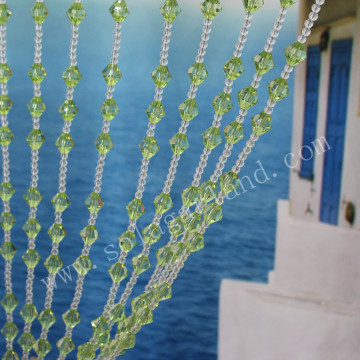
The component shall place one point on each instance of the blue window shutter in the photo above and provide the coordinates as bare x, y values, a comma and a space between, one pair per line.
311, 109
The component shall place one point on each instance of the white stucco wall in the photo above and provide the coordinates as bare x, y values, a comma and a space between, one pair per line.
305, 194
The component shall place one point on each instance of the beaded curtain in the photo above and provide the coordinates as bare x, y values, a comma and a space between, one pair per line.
114, 330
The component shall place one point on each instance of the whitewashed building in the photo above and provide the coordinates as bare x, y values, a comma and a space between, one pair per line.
310, 309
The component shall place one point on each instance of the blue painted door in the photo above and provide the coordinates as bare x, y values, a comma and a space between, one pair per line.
335, 130
311, 110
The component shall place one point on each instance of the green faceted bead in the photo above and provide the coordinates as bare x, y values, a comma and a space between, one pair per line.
64, 143
178, 250
39, 12
144, 316
210, 8
141, 263
86, 351
6, 136
102, 339
31, 258
32, 228
190, 196
60, 202
53, 264
35, 139
176, 227
164, 255
36, 106
295, 53
94, 202
278, 89
89, 234
100, 325
5, 13
26, 341
233, 68
188, 110
212, 213
135, 209
233, 132
68, 110
194, 242
126, 340
261, 124
127, 241
111, 74
163, 203
248, 98
117, 313
222, 103
104, 143
10, 355
138, 303
198, 73
76, 13
119, 11
161, 76
6, 191
42, 347
9, 331
149, 147
29, 313
7, 250
65, 345
118, 272
5, 73
287, 3
7, 221
83, 265
151, 234
264, 62
37, 71
179, 143
155, 111
192, 222
229, 182
57, 233
109, 109
252, 5
170, 10
9, 302
71, 75
71, 318
5, 104
161, 291
47, 318
212, 137
33, 197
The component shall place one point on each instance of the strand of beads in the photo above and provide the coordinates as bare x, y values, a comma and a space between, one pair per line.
188, 110
294, 54
233, 69
149, 147
143, 305
33, 196
103, 143
60, 201
7, 249
233, 133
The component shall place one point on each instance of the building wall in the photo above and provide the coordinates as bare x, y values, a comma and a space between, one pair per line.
305, 195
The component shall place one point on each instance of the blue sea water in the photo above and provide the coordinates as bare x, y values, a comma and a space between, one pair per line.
240, 247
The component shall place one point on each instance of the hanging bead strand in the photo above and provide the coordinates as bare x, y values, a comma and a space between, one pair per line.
33, 197
103, 143
294, 54
60, 201
7, 249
